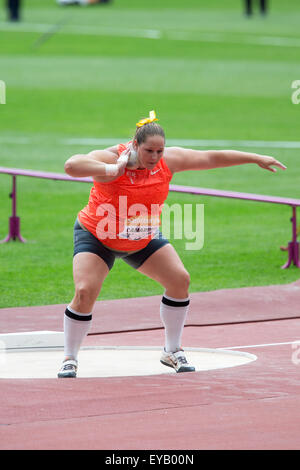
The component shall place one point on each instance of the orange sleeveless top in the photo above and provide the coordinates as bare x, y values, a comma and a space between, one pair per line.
124, 214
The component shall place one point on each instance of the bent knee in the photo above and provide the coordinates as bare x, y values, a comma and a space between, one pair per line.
86, 294
179, 282
185, 280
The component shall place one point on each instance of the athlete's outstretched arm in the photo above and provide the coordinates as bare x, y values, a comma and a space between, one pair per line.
181, 159
96, 163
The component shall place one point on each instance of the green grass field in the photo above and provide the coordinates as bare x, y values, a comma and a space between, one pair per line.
91, 72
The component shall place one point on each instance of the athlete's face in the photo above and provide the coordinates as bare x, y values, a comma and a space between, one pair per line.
150, 152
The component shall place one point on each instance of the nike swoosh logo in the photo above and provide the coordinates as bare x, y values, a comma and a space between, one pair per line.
153, 172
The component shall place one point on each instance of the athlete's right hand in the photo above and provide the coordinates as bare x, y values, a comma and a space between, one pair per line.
118, 168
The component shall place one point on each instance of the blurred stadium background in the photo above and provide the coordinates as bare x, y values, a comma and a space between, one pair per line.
78, 78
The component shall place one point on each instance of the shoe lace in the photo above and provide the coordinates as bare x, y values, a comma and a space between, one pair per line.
68, 367
182, 359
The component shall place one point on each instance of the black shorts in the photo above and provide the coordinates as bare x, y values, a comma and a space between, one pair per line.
84, 241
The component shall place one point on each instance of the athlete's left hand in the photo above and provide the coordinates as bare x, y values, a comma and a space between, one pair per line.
267, 163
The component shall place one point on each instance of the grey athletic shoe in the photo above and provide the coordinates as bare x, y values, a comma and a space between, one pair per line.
68, 369
177, 361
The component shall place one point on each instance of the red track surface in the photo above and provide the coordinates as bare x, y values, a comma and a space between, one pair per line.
254, 406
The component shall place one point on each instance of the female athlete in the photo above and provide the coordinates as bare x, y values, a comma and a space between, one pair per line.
121, 220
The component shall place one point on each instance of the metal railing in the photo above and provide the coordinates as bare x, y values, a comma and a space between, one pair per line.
14, 221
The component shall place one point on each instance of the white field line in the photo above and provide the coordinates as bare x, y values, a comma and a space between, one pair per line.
193, 142
83, 30
170, 142
15, 140
276, 41
242, 39
296, 342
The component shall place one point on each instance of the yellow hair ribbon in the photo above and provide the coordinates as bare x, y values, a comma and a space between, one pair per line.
151, 118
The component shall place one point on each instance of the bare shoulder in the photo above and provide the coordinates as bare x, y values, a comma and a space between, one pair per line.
113, 149
108, 155
183, 159
174, 158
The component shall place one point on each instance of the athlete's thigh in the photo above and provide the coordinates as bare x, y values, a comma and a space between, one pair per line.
164, 265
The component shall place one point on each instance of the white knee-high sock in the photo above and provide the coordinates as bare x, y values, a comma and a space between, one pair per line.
76, 327
173, 313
